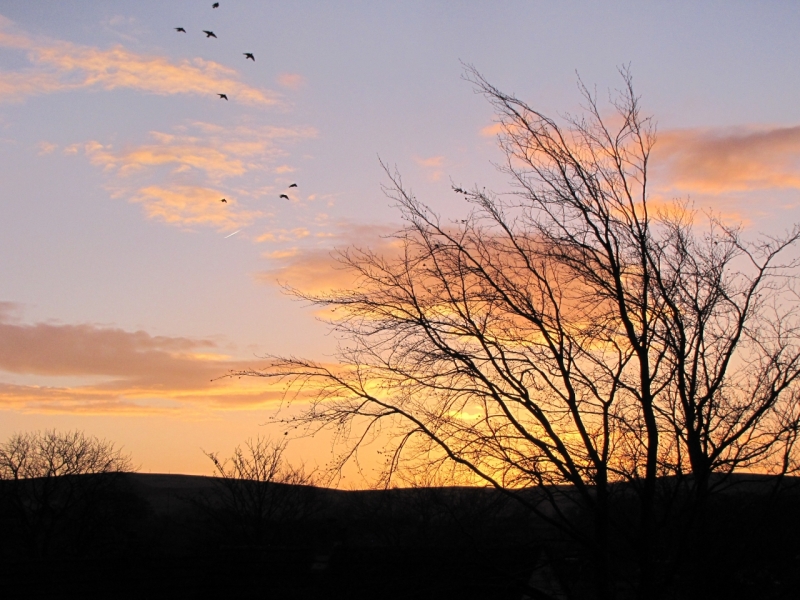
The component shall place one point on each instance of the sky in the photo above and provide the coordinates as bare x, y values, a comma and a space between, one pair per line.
126, 285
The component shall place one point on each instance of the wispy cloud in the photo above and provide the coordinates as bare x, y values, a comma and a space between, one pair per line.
10, 312
46, 148
215, 151
293, 81
124, 27
122, 371
432, 165
183, 155
57, 66
492, 130
181, 176
188, 206
283, 235
315, 268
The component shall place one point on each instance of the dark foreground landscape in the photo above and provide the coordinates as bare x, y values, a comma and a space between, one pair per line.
174, 536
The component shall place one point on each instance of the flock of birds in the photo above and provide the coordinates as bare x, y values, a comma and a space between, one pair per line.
247, 56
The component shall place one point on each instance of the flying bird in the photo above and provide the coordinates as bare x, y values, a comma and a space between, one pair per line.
215, 5
284, 196
293, 185
250, 56
223, 96
223, 200
209, 33
181, 29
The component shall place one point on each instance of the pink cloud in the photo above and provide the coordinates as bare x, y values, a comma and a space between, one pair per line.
293, 81
125, 371
731, 160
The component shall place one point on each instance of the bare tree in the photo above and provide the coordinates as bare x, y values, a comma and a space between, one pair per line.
51, 479
258, 490
569, 332
731, 332
58, 454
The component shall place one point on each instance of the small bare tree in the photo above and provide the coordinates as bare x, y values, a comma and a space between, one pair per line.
258, 490
51, 479
51, 454
569, 336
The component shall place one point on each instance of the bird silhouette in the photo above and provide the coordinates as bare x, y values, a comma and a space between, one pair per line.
209, 33
181, 29
284, 196
250, 56
293, 185
215, 5
223, 96
223, 200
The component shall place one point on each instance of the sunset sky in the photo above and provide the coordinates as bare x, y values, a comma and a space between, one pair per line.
126, 285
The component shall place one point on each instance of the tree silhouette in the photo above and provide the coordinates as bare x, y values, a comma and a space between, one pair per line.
54, 486
257, 491
570, 336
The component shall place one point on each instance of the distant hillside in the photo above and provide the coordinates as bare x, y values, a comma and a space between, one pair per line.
182, 536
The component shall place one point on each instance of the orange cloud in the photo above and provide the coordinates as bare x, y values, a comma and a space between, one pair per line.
218, 152
432, 164
122, 371
492, 130
63, 66
188, 205
46, 148
311, 270
180, 177
184, 156
732, 160
315, 268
